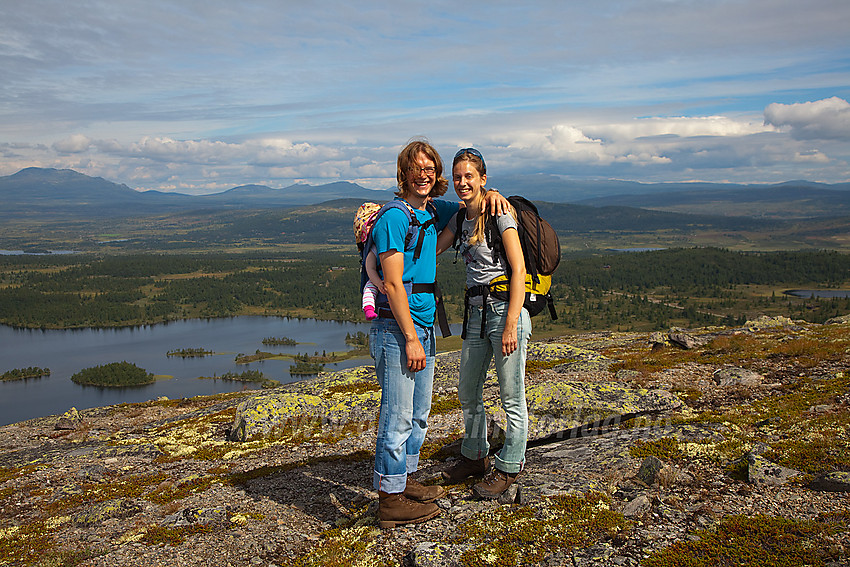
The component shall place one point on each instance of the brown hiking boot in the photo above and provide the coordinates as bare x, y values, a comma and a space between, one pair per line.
465, 467
494, 484
421, 493
396, 510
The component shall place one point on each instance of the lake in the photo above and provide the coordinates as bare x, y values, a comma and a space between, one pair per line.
819, 293
66, 352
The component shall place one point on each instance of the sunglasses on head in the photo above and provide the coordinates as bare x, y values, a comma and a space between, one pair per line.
472, 152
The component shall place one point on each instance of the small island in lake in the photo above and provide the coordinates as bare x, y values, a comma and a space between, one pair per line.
190, 353
258, 355
279, 341
114, 375
359, 340
24, 373
306, 365
247, 376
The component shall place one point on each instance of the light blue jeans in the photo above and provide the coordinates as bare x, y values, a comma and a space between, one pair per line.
475, 358
405, 403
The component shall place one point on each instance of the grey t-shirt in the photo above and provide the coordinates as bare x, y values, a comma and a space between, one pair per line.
481, 263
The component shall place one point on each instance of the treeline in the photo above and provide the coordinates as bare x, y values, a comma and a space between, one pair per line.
642, 290
55, 292
704, 270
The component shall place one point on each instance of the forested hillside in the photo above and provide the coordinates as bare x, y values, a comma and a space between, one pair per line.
645, 290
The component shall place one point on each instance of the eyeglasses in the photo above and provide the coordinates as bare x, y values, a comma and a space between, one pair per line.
429, 170
472, 152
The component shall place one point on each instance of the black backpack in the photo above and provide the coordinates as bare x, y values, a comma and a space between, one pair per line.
541, 251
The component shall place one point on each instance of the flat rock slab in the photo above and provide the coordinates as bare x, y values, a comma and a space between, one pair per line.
351, 397
344, 397
555, 406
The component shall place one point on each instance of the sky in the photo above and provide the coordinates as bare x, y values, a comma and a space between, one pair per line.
201, 96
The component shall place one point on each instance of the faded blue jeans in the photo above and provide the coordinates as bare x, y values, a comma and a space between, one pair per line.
475, 358
405, 403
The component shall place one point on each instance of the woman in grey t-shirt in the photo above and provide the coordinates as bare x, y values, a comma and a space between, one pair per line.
494, 327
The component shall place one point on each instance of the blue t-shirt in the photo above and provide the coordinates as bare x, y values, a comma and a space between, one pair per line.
388, 234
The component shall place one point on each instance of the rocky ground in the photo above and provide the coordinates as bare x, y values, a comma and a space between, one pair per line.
717, 445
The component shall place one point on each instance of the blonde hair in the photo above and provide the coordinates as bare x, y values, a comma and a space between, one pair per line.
480, 221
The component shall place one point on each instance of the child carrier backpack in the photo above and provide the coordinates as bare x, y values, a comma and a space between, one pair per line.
541, 251
365, 218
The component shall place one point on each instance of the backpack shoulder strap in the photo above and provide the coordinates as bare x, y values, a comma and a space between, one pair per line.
415, 228
414, 222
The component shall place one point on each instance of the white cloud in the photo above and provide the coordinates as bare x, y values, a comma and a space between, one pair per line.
812, 156
827, 119
645, 141
681, 127
73, 145
208, 95
560, 142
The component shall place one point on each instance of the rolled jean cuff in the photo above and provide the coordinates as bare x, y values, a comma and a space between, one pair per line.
474, 454
389, 483
507, 467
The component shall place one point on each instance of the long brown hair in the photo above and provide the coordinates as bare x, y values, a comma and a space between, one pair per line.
407, 159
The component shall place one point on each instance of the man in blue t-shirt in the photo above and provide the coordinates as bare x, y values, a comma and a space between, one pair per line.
403, 344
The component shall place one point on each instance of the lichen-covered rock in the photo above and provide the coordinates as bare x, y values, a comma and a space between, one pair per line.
733, 376
685, 340
637, 507
762, 471
576, 358
765, 322
558, 406
430, 554
649, 469
68, 421
191, 516
340, 399
352, 397
98, 512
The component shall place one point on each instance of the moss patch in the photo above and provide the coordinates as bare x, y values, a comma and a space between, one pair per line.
343, 548
665, 448
526, 535
445, 404
753, 542
133, 486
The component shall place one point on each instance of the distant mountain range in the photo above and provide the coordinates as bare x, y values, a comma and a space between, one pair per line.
793, 199
35, 192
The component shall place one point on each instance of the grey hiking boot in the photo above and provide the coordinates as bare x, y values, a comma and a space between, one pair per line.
465, 468
421, 493
494, 484
396, 510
